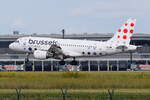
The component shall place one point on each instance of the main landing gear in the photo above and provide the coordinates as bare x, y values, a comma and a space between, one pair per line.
27, 57
73, 62
28, 65
62, 62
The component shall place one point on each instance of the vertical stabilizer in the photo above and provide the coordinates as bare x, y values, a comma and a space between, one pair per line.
124, 34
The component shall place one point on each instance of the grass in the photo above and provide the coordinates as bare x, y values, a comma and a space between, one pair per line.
75, 80
80, 85
48, 94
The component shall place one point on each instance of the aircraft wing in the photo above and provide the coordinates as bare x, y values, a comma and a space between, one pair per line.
58, 52
55, 49
71, 53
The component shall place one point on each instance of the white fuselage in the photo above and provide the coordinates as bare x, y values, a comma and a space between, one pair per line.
70, 47
43, 48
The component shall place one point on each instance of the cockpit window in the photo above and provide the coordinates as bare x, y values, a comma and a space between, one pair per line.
17, 41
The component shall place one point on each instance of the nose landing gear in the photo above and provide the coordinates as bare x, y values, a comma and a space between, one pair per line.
27, 57
28, 66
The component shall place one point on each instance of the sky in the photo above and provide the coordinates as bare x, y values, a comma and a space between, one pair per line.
75, 16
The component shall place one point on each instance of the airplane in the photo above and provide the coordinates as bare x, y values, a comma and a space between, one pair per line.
44, 47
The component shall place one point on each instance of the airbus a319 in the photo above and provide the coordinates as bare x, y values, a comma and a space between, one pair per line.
44, 47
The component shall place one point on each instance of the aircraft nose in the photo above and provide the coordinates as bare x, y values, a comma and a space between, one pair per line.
11, 46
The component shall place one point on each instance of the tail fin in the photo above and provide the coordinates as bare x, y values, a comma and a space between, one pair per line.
124, 34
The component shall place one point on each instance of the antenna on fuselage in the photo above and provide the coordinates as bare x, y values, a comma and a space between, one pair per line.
63, 33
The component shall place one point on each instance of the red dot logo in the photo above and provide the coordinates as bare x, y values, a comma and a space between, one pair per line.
118, 36
131, 31
119, 30
126, 24
132, 24
125, 30
124, 37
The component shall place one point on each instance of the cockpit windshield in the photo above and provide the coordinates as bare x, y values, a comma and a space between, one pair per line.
17, 41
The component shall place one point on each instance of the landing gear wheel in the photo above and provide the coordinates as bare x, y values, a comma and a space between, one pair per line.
27, 58
74, 62
62, 62
28, 65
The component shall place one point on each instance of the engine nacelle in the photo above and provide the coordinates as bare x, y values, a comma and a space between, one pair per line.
38, 54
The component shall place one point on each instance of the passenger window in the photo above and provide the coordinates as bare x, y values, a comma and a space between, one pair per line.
83, 53
89, 53
100, 54
94, 53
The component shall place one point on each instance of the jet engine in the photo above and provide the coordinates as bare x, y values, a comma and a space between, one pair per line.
42, 54
53, 52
